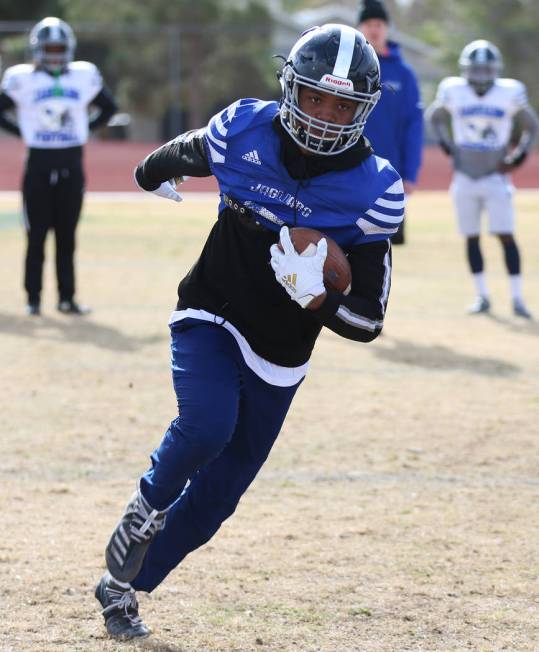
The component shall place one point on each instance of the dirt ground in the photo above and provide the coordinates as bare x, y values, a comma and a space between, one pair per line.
398, 510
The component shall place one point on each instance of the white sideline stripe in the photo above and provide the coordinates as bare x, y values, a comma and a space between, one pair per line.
125, 196
345, 53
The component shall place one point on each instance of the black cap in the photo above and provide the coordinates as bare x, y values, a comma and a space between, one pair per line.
372, 9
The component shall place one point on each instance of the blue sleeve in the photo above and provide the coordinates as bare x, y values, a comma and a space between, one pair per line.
227, 123
413, 130
386, 210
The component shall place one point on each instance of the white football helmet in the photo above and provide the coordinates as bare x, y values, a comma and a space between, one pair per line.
52, 44
480, 63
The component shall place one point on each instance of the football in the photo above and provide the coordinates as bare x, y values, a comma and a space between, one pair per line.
337, 270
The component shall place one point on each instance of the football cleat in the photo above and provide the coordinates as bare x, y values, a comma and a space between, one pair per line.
130, 540
480, 305
520, 310
120, 609
33, 309
72, 308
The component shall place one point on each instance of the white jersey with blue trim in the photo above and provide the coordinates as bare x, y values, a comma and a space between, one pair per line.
353, 206
52, 111
482, 122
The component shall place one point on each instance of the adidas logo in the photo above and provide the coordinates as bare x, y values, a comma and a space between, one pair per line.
290, 281
252, 157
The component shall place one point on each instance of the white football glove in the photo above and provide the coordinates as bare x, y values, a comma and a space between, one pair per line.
168, 190
301, 275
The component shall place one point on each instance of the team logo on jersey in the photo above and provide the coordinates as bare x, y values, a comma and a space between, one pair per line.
337, 82
283, 197
252, 157
56, 91
482, 110
55, 117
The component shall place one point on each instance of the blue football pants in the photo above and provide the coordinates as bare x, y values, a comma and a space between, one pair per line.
228, 420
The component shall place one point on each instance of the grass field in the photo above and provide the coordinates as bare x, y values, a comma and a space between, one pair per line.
399, 508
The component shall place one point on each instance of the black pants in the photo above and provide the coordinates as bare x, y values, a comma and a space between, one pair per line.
52, 200
398, 238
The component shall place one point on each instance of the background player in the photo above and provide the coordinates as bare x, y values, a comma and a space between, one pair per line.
51, 98
395, 127
475, 117
241, 335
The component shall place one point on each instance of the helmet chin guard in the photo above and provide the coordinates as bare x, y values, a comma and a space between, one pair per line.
334, 59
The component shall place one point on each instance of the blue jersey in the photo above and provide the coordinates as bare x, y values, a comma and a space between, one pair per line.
353, 206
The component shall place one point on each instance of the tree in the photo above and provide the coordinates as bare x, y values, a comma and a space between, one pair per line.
185, 57
512, 25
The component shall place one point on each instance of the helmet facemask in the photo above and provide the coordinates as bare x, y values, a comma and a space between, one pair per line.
481, 77
318, 136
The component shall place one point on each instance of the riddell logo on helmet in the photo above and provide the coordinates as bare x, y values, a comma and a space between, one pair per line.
337, 82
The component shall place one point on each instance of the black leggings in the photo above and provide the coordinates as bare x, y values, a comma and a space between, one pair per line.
52, 200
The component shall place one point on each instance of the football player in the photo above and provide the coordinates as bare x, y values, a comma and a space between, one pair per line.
50, 98
244, 328
475, 117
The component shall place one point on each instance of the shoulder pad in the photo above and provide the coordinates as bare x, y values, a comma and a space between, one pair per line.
506, 82
20, 69
453, 82
236, 118
83, 66
15, 77
515, 89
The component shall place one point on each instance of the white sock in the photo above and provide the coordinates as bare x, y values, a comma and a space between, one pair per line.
480, 281
515, 281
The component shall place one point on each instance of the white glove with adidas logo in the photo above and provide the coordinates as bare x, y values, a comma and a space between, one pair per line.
301, 276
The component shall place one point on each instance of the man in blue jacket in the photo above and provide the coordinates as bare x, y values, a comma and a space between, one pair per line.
395, 126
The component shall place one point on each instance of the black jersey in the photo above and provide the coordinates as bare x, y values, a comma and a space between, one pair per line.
233, 278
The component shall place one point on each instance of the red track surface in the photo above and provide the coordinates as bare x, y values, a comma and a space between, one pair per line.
109, 167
